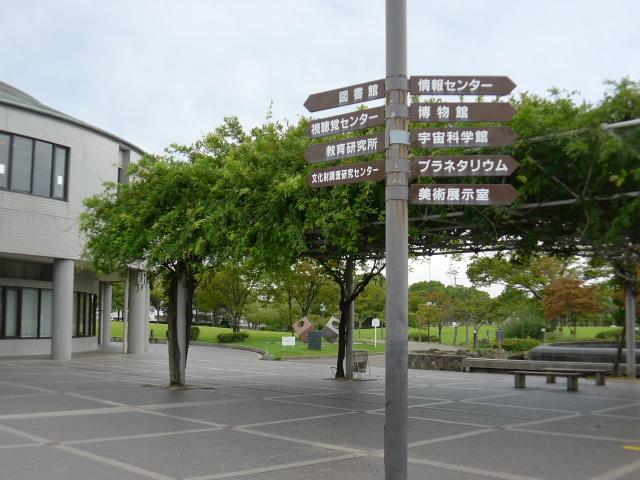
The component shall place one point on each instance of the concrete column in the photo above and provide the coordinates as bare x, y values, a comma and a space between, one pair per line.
147, 303
106, 294
62, 327
630, 327
137, 289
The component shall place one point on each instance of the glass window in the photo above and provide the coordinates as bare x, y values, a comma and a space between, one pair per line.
4, 160
21, 164
11, 312
42, 163
46, 312
60, 173
75, 313
29, 313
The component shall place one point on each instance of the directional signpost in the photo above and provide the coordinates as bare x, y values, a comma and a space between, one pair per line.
464, 166
397, 170
460, 85
461, 112
347, 122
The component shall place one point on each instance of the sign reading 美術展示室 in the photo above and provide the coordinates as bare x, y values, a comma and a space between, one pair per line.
460, 85
462, 137
348, 122
339, 97
347, 148
461, 112
343, 174
463, 166
457, 194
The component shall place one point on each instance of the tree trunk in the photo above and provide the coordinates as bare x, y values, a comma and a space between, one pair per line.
179, 321
630, 324
346, 300
172, 327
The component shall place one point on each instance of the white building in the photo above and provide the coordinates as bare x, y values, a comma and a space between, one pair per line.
50, 300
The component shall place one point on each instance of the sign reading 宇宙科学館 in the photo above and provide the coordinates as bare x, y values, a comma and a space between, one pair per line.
462, 137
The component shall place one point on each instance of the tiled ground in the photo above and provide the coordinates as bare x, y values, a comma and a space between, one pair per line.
110, 416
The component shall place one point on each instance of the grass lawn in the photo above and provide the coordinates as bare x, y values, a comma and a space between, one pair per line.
363, 338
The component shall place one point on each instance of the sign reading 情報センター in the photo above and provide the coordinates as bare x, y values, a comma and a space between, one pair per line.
347, 122
461, 112
343, 174
457, 194
463, 166
460, 85
347, 148
462, 137
339, 97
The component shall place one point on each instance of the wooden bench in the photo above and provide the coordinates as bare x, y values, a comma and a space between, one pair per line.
572, 377
600, 374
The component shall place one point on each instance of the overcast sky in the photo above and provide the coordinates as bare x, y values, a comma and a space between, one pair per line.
161, 71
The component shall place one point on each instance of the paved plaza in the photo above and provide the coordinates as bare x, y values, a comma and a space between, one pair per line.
105, 416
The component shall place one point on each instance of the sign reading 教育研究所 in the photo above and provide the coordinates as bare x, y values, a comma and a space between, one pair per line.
347, 148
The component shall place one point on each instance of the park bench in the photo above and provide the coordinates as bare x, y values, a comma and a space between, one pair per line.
600, 374
572, 377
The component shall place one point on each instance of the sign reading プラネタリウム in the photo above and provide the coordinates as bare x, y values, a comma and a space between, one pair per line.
347, 148
462, 137
362, 92
347, 122
460, 85
456, 194
463, 166
461, 112
343, 174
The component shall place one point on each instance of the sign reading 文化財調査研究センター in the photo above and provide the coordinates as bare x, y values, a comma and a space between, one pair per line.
344, 174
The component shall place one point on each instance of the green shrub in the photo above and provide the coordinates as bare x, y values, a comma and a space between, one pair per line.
612, 334
232, 337
519, 344
195, 333
526, 327
414, 337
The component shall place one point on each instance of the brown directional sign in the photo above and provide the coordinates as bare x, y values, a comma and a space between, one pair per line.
460, 85
343, 174
463, 166
362, 92
461, 112
458, 194
347, 122
462, 137
347, 148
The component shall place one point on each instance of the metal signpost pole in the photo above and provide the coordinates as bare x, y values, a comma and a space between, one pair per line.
396, 199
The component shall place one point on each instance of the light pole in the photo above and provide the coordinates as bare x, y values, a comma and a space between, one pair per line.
323, 310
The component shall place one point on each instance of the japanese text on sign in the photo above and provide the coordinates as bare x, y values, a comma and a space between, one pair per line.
441, 85
358, 147
454, 194
347, 123
358, 93
463, 166
344, 174
443, 112
454, 137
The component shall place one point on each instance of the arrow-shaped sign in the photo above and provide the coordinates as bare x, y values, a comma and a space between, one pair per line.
460, 85
343, 174
462, 137
463, 166
461, 112
347, 148
362, 92
456, 194
347, 122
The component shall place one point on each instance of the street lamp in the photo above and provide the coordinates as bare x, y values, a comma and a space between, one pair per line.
429, 304
323, 310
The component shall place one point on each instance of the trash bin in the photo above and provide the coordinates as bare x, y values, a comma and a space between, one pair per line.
315, 340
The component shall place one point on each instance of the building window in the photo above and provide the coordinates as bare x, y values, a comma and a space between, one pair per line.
33, 166
28, 313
